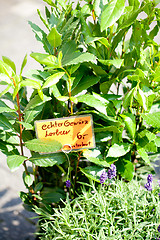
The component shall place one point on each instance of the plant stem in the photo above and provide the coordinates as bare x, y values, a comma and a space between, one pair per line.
20, 119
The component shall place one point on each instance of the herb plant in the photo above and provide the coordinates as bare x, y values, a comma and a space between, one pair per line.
90, 64
118, 211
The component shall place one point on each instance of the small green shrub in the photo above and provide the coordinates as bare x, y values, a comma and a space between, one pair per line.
117, 211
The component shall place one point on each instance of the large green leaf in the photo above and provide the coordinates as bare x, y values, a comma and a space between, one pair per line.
92, 172
111, 13
42, 37
118, 150
31, 83
115, 62
141, 151
157, 75
93, 156
34, 107
53, 79
8, 149
71, 56
48, 160
130, 123
5, 125
36, 101
78, 57
130, 19
31, 114
91, 101
128, 98
152, 119
10, 63
107, 129
126, 169
85, 83
5, 108
48, 60
15, 161
52, 195
43, 146
9, 137
54, 38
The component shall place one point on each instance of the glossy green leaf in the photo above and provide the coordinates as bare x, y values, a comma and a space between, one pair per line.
52, 196
78, 57
102, 40
8, 149
9, 137
53, 79
15, 161
152, 119
142, 100
9, 62
111, 13
128, 98
130, 19
31, 83
115, 62
126, 169
23, 64
130, 123
27, 126
157, 75
142, 153
36, 101
105, 86
118, 150
48, 60
107, 129
157, 141
4, 68
28, 180
43, 146
5, 125
31, 114
41, 36
85, 83
92, 172
5, 108
92, 157
48, 160
38, 187
91, 101
54, 38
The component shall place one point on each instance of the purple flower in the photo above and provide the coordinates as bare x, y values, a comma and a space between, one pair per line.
158, 229
150, 178
103, 177
159, 194
68, 183
112, 172
148, 186
159, 182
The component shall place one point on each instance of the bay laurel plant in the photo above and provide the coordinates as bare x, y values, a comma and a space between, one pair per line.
117, 211
100, 58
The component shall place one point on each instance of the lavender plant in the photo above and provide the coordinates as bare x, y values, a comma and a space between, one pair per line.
118, 211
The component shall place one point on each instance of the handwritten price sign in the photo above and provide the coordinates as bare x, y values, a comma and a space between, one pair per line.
73, 133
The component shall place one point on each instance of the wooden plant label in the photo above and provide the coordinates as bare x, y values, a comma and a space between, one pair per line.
74, 133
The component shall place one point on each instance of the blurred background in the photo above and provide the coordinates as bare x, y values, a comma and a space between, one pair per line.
16, 40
